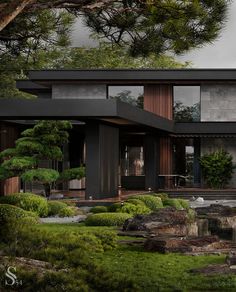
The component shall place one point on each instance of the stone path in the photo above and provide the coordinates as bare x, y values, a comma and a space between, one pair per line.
74, 219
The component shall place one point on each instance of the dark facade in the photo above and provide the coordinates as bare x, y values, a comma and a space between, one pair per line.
138, 129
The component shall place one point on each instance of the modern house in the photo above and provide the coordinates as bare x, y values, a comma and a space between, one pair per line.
139, 129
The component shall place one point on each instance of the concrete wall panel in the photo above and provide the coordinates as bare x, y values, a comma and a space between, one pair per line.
79, 91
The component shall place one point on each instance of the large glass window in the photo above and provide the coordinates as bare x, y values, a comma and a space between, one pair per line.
130, 94
132, 161
187, 103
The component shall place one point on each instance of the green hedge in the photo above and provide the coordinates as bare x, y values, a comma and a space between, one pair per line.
135, 202
152, 202
10, 213
99, 209
173, 203
162, 196
107, 219
184, 203
67, 212
54, 207
28, 202
134, 209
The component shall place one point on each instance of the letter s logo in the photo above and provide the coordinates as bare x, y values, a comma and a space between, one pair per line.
10, 275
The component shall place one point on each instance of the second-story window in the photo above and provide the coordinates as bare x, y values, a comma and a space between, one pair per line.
126, 93
186, 103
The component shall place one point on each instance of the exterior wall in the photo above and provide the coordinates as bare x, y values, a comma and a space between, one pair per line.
80, 91
228, 144
218, 102
158, 99
8, 135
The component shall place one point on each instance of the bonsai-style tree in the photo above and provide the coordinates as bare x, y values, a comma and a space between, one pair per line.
42, 142
217, 168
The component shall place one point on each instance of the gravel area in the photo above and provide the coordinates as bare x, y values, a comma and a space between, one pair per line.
74, 219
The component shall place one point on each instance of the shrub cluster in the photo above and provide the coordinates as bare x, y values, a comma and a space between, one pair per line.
172, 203
54, 207
99, 209
107, 219
28, 202
152, 202
67, 212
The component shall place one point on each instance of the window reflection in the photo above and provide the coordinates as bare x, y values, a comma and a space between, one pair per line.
132, 161
130, 94
187, 103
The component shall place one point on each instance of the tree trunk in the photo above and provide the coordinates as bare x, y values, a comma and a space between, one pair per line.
47, 189
11, 10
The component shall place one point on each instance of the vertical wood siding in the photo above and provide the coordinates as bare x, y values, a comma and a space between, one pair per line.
8, 135
158, 100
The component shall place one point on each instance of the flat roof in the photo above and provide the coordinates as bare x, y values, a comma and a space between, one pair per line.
133, 75
108, 111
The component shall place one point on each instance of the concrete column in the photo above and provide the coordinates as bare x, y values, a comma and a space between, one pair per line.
152, 161
196, 163
102, 161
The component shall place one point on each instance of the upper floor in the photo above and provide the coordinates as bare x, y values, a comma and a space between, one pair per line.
182, 95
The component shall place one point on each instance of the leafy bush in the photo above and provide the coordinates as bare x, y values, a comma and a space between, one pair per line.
99, 209
217, 168
67, 212
152, 202
114, 207
107, 219
72, 173
134, 209
28, 202
184, 203
9, 211
54, 207
163, 196
173, 203
135, 202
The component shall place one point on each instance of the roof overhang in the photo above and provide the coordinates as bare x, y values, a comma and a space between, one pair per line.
136, 76
205, 128
111, 111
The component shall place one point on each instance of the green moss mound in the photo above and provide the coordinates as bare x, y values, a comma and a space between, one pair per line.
152, 202
99, 209
135, 202
162, 196
184, 203
54, 207
107, 219
28, 202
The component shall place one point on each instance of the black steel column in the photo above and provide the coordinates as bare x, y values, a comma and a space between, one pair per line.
102, 160
196, 162
152, 161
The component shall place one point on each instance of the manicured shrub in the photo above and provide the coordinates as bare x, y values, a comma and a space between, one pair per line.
134, 209
135, 202
184, 203
28, 202
67, 212
163, 196
173, 203
115, 207
152, 202
98, 209
107, 219
9, 213
54, 207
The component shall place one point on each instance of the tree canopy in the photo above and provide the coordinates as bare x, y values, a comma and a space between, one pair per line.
145, 26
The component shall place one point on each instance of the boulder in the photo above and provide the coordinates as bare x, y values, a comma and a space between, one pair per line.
167, 221
183, 245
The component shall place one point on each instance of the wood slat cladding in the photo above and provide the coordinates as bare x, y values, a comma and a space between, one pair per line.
166, 159
8, 135
158, 99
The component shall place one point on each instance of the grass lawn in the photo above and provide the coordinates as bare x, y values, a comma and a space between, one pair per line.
153, 271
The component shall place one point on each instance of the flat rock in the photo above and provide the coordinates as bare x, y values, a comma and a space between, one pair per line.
183, 245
